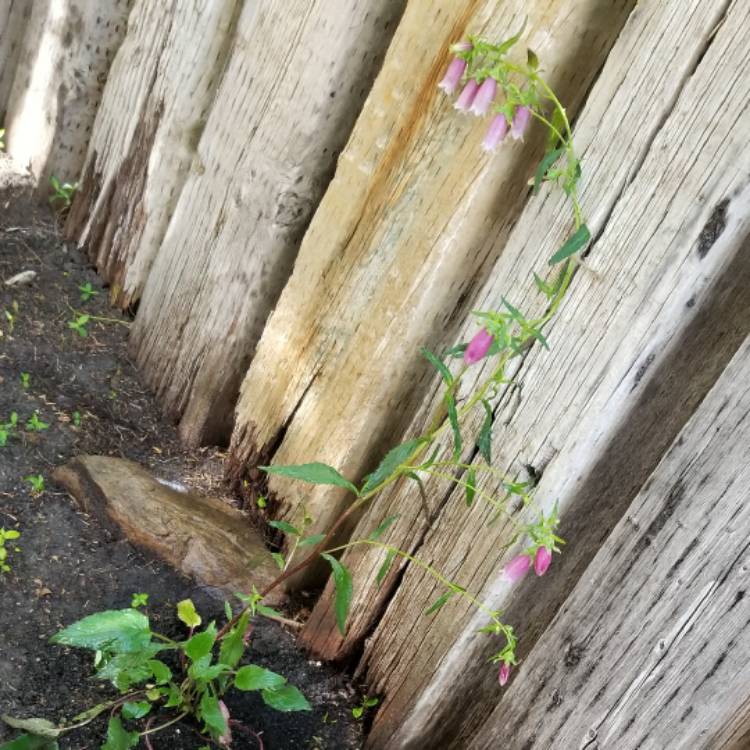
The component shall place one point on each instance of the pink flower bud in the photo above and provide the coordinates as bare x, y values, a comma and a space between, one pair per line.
462, 46
466, 97
497, 130
504, 674
453, 75
542, 561
521, 119
484, 97
478, 347
517, 568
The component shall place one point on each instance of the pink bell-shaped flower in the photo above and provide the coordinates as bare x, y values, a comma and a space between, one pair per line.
517, 568
466, 97
485, 95
453, 76
521, 120
542, 561
478, 347
497, 130
504, 674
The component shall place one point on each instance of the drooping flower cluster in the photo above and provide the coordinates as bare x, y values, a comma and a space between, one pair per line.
479, 91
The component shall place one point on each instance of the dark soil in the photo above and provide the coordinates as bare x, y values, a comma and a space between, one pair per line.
88, 393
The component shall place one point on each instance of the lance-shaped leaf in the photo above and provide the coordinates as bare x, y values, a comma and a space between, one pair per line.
544, 166
287, 528
439, 603
577, 241
484, 441
391, 462
450, 403
313, 473
386, 566
342, 580
445, 373
471, 486
384, 524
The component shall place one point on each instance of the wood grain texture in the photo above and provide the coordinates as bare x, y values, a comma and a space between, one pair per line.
14, 15
398, 246
291, 92
67, 50
666, 279
652, 647
144, 141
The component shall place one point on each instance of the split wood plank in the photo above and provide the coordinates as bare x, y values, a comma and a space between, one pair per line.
293, 87
642, 78
396, 246
67, 49
652, 647
14, 15
144, 141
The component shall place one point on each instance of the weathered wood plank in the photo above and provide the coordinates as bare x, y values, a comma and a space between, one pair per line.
144, 141
398, 245
67, 50
652, 648
642, 77
292, 90
14, 15
619, 384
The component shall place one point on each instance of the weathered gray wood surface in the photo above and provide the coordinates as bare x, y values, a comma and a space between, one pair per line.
293, 87
413, 220
14, 15
146, 134
652, 647
67, 49
622, 383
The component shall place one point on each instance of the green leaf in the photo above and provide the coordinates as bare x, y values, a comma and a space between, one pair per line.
39, 727
162, 673
484, 441
357, 712
445, 373
279, 560
253, 677
342, 580
450, 403
118, 738
471, 486
544, 166
211, 715
233, 644
558, 123
135, 710
187, 613
311, 540
30, 742
313, 473
287, 698
386, 566
456, 351
91, 713
578, 240
287, 528
384, 524
202, 669
201, 643
508, 43
125, 630
261, 609
124, 670
439, 603
531, 59
391, 462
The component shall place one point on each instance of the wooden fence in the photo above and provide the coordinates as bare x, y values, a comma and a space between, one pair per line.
281, 194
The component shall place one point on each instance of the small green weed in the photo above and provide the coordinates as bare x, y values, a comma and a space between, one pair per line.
87, 291
37, 483
6, 536
34, 424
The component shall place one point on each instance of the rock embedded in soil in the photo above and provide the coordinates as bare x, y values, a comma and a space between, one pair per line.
201, 536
